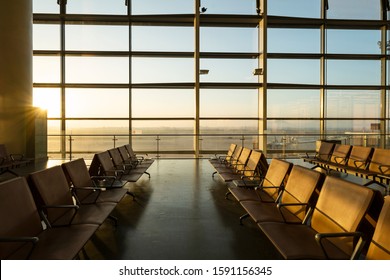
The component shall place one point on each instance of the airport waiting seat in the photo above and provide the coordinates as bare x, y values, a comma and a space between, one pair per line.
126, 157
358, 160
120, 163
294, 202
236, 170
332, 231
322, 156
22, 235
379, 248
227, 165
104, 166
224, 158
54, 198
140, 159
9, 162
90, 190
270, 185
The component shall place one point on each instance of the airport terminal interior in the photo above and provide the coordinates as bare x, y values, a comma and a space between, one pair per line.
244, 129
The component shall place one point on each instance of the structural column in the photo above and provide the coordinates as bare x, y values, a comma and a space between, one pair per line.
15, 74
262, 79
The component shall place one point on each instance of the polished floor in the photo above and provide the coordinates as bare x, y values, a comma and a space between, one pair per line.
180, 213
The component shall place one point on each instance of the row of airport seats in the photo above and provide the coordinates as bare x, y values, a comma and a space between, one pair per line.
121, 163
366, 162
52, 213
10, 162
307, 214
240, 164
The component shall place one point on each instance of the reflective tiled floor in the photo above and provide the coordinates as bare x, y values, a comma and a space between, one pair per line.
179, 213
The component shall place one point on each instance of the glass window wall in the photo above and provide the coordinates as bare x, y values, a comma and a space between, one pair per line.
146, 84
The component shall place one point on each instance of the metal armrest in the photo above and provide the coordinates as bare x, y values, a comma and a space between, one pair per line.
285, 205
103, 178
342, 159
20, 156
65, 206
267, 187
358, 248
384, 168
362, 163
94, 189
33, 239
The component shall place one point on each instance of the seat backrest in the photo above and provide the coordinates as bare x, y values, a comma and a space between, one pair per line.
77, 174
300, 188
124, 153
359, 157
340, 153
325, 150
51, 188
106, 164
130, 150
230, 152
379, 248
243, 158
341, 207
275, 176
236, 155
115, 156
252, 165
380, 161
94, 167
263, 164
18, 214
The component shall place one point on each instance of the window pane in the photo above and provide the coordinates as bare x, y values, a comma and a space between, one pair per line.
247, 7
97, 38
224, 39
229, 70
46, 69
48, 99
229, 103
46, 7
46, 37
218, 142
53, 138
117, 7
159, 103
353, 104
162, 70
281, 135
291, 126
353, 41
290, 40
296, 8
293, 103
92, 103
157, 38
294, 71
353, 72
351, 131
229, 126
97, 127
162, 7
354, 9
53, 127
97, 70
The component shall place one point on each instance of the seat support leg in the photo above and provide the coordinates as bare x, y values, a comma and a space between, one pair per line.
243, 217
